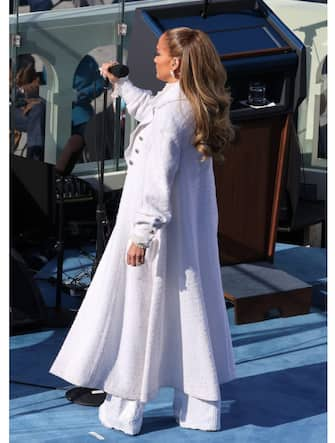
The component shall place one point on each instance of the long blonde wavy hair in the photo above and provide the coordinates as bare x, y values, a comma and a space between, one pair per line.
202, 78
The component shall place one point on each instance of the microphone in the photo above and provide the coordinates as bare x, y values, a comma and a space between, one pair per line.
119, 71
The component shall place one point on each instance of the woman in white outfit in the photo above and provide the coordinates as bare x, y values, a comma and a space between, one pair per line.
154, 314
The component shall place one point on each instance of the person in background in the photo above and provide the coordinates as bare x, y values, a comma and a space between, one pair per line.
29, 106
155, 314
88, 84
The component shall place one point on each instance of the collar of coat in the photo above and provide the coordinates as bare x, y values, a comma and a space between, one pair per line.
170, 93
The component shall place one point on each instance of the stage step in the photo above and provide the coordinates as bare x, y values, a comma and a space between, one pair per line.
260, 291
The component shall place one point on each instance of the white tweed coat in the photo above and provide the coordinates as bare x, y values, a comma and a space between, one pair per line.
163, 323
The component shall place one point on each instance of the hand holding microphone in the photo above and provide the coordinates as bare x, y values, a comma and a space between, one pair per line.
113, 71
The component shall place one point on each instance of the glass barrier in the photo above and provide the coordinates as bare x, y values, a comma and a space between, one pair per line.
61, 110
323, 122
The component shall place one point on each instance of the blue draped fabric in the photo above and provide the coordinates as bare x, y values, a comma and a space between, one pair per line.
89, 84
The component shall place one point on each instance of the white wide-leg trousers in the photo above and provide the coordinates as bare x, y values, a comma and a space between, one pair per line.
127, 415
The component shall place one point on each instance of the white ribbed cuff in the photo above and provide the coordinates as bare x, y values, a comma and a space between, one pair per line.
140, 240
117, 88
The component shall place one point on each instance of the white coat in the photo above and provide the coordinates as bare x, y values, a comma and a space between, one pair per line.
163, 323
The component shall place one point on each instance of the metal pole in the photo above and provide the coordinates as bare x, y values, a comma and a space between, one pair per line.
122, 32
101, 210
15, 44
60, 245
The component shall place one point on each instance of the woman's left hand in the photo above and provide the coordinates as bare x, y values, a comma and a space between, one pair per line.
135, 255
104, 70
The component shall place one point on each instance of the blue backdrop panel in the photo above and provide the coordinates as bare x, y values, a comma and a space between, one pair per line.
230, 32
238, 20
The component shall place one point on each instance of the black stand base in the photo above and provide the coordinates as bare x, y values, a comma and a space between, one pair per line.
86, 396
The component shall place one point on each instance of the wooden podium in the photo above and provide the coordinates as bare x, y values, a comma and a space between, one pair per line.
248, 188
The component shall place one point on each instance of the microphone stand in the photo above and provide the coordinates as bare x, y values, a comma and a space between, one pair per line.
81, 395
122, 32
101, 218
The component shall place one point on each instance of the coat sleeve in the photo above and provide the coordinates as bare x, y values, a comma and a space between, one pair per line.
159, 175
138, 100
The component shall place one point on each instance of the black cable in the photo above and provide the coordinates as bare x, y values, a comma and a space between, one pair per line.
87, 254
95, 126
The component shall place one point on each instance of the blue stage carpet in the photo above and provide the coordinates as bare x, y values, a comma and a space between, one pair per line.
278, 397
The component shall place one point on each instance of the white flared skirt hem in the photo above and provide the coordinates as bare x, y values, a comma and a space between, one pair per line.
143, 396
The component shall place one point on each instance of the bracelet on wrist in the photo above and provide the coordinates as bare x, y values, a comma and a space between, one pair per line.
141, 245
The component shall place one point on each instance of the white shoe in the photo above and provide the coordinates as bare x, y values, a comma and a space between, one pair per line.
121, 414
193, 413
